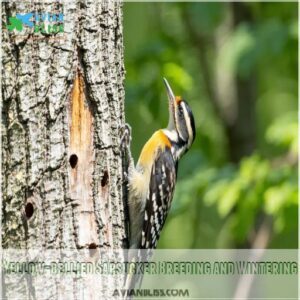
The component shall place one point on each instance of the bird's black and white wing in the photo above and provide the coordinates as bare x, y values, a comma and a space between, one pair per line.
159, 198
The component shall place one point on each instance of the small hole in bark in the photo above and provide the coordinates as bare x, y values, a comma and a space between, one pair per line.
29, 210
73, 160
92, 248
104, 179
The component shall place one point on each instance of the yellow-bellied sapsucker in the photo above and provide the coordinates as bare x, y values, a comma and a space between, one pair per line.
152, 181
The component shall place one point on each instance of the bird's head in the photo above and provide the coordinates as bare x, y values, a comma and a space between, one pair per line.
181, 118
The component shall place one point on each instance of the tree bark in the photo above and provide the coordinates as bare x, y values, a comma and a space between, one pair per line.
63, 107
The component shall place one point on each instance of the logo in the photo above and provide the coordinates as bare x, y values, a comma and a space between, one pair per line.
37, 22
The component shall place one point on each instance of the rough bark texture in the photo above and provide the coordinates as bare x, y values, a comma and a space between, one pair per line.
63, 106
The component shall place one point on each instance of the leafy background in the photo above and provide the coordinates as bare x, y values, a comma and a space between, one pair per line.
237, 65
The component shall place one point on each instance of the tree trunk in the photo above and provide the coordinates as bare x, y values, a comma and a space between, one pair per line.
232, 97
63, 106
241, 129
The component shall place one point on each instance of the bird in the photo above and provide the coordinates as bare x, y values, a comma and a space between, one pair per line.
152, 181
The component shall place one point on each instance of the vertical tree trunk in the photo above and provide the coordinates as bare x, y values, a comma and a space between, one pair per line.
63, 106
232, 97
241, 129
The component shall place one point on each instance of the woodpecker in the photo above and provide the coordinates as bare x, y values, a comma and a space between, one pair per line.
152, 182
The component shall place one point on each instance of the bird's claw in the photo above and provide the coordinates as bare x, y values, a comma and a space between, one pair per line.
125, 136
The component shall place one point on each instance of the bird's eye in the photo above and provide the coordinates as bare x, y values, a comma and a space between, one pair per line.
180, 111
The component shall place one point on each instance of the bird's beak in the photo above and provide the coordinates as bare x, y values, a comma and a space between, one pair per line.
172, 102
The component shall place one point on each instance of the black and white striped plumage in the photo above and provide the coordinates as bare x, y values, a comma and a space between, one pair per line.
159, 198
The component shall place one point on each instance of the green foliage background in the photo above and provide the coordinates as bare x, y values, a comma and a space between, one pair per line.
225, 196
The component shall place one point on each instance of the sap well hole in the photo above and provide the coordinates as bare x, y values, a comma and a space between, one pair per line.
73, 160
29, 210
104, 179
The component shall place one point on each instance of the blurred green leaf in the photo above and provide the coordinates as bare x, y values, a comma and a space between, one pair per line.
207, 16
178, 76
229, 198
278, 196
214, 193
284, 132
